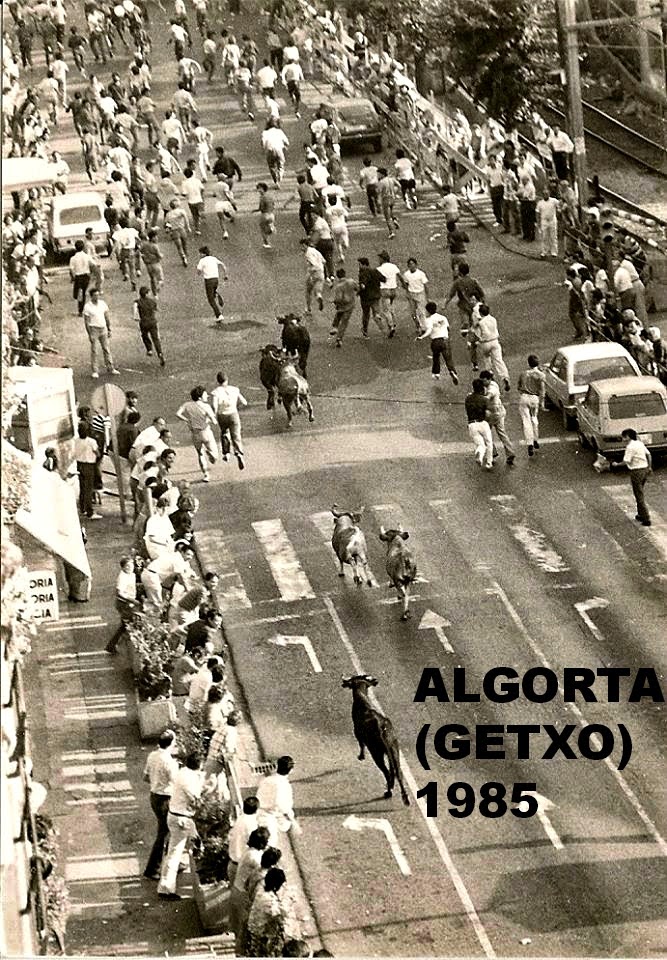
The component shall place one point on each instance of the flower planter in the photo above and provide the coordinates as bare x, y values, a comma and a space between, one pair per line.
135, 659
212, 901
154, 716
179, 704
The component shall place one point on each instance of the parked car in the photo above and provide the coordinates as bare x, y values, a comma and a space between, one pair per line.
573, 368
357, 120
69, 217
610, 406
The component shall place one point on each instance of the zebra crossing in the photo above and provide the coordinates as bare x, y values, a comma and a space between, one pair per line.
304, 572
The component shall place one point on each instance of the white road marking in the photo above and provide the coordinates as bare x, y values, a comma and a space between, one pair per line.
290, 579
657, 532
90, 769
215, 554
381, 824
324, 522
582, 608
543, 804
433, 621
59, 627
534, 543
280, 640
431, 826
278, 619
111, 866
633, 800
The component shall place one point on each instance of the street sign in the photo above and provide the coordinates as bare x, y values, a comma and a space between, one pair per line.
108, 399
44, 596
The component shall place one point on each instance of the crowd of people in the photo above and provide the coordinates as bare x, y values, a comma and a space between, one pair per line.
157, 191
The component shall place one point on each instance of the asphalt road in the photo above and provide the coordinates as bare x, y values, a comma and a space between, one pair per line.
539, 564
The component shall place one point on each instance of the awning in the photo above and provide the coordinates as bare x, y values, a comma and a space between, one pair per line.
51, 516
21, 173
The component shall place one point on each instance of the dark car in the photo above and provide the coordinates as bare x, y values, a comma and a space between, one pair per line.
357, 120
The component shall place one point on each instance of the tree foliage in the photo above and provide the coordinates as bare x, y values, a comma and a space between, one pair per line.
502, 50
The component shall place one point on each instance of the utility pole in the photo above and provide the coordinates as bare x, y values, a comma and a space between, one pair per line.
568, 20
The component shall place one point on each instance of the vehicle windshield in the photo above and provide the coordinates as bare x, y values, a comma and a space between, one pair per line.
76, 215
601, 368
636, 405
355, 114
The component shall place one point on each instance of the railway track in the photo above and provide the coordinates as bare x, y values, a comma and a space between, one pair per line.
620, 139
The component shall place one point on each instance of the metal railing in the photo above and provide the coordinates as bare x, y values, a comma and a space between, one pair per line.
35, 898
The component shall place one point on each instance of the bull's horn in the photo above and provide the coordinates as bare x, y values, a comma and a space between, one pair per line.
382, 531
360, 511
335, 511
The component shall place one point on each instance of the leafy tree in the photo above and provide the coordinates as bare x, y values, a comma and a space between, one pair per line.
502, 50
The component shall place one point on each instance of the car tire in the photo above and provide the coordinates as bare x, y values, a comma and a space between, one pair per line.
548, 402
569, 421
377, 145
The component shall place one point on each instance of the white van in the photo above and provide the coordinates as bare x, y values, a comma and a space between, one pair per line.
70, 216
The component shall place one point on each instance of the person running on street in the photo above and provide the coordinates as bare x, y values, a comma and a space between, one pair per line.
637, 461
344, 293
145, 313
387, 191
193, 190
457, 243
388, 288
79, 270
225, 401
274, 144
225, 205
489, 350
479, 430
177, 226
468, 292
292, 77
405, 175
531, 400
437, 328
267, 214
315, 267
209, 267
227, 166
336, 216
368, 181
415, 283
370, 296
199, 417
152, 257
496, 414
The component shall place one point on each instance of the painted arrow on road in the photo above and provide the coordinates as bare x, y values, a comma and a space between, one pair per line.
353, 822
280, 640
433, 621
582, 608
544, 804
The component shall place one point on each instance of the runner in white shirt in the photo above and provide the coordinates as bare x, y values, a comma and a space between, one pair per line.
126, 241
209, 267
193, 191
336, 215
225, 206
225, 401
388, 288
415, 283
203, 142
292, 76
406, 177
274, 144
266, 79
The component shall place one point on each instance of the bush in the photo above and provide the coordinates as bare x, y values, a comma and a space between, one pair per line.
56, 894
213, 822
152, 640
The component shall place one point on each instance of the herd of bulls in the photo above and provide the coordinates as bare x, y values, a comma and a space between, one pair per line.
282, 372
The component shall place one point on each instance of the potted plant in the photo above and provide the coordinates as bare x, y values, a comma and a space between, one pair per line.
56, 895
209, 861
150, 640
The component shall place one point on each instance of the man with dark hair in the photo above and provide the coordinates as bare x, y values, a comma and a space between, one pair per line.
370, 296
468, 292
225, 400
86, 453
160, 771
200, 418
98, 327
476, 405
531, 387
145, 312
496, 414
437, 328
276, 798
209, 267
204, 630
244, 825
186, 791
637, 461
79, 269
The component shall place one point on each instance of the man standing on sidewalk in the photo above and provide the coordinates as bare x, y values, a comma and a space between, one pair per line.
547, 220
209, 268
637, 461
437, 328
225, 401
98, 327
531, 400
200, 419
86, 453
160, 771
496, 414
477, 405
186, 790
126, 599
